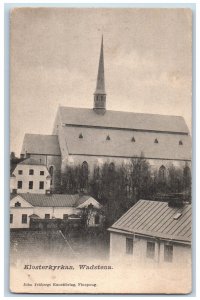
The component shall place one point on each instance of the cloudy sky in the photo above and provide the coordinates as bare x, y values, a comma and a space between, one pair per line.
54, 61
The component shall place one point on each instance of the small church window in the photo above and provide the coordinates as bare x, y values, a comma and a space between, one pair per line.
180, 143
133, 139
80, 136
156, 141
108, 138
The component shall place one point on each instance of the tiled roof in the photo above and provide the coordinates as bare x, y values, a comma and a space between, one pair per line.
40, 144
31, 161
156, 219
54, 200
121, 144
119, 119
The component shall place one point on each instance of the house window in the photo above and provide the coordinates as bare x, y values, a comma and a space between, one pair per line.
20, 172
80, 136
24, 219
30, 185
47, 216
19, 184
17, 204
41, 172
11, 218
129, 246
156, 141
31, 172
180, 143
65, 216
168, 253
150, 249
97, 219
41, 185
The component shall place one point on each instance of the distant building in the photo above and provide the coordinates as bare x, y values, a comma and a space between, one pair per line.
92, 136
30, 176
153, 232
23, 207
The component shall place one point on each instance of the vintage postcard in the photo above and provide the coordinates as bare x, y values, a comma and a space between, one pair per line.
100, 150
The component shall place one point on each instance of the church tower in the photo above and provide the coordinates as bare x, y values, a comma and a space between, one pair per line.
100, 94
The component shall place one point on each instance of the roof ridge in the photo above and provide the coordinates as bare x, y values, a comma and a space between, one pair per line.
121, 111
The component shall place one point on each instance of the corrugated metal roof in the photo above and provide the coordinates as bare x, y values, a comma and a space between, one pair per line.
120, 119
94, 142
54, 200
154, 218
41, 144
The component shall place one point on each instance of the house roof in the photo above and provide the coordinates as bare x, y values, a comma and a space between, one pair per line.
120, 119
40, 144
31, 161
154, 218
54, 200
95, 142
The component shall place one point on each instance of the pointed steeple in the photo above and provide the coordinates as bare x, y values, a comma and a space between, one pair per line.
100, 94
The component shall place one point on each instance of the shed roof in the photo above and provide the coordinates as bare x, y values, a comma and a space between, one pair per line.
40, 144
121, 144
120, 119
154, 218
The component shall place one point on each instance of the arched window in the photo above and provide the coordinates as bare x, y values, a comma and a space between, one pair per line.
180, 143
51, 171
162, 173
85, 172
187, 177
133, 139
111, 166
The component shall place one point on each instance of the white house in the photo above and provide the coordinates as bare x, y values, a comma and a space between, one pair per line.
46, 206
30, 176
152, 232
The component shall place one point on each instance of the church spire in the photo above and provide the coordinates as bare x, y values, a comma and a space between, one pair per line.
100, 94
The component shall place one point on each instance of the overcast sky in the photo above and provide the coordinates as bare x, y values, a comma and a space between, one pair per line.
54, 61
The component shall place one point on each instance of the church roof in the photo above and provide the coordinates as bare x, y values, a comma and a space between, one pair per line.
124, 143
122, 120
40, 144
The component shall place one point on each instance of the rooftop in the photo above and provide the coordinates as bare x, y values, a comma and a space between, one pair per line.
31, 161
125, 143
156, 219
53, 200
125, 120
40, 144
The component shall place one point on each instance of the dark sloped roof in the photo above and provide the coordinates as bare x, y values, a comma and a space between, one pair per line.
119, 119
156, 219
40, 144
31, 161
94, 142
54, 200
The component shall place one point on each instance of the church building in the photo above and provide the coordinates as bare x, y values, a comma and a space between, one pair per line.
92, 136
